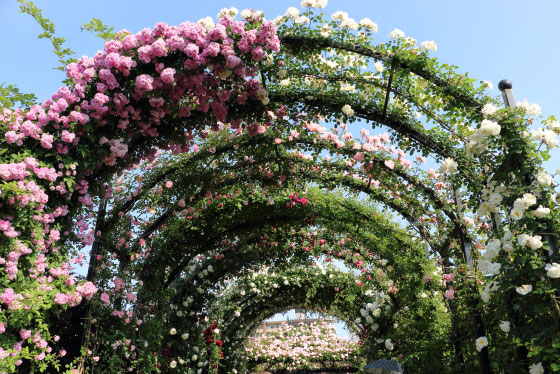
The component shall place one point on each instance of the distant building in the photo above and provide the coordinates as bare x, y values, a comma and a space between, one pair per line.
268, 327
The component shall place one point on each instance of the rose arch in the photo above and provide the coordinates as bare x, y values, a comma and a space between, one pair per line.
208, 170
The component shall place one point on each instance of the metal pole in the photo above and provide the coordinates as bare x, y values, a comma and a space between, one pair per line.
506, 86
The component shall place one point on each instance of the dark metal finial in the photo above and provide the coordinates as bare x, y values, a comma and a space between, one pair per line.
505, 84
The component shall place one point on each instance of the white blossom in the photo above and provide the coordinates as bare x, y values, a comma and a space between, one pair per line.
339, 16
505, 326
532, 109
173, 364
378, 66
546, 136
541, 212
536, 369
347, 110
449, 166
325, 31
349, 23
396, 34
291, 12
524, 289
228, 12
488, 110
429, 46
489, 128
489, 84
173, 331
207, 23
517, 214
555, 125
389, 344
368, 24
543, 178
301, 20
553, 270
481, 343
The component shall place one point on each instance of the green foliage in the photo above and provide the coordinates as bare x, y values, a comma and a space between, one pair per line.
63, 54
11, 97
99, 29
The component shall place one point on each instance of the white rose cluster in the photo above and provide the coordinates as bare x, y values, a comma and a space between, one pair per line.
314, 3
349, 24
492, 198
449, 165
373, 310
368, 24
487, 128
291, 13
429, 46
488, 110
553, 270
232, 12
533, 242
396, 34
521, 204
339, 16
207, 23
347, 110
488, 288
485, 264
531, 109
546, 136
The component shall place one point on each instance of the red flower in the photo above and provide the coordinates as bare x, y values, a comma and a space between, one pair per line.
219, 343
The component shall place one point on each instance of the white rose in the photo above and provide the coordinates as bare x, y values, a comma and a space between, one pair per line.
488, 110
396, 34
429, 46
301, 20
389, 345
553, 270
349, 23
488, 84
529, 199
173, 331
368, 24
536, 369
489, 128
534, 242
481, 343
339, 16
207, 23
504, 326
347, 110
522, 239
541, 212
543, 178
184, 336
449, 165
517, 214
291, 13
524, 289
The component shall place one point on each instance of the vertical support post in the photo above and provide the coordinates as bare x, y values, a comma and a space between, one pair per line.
506, 86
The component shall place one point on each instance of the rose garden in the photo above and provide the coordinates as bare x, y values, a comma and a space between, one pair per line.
211, 174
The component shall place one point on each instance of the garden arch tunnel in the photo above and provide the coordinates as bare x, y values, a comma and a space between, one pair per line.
224, 89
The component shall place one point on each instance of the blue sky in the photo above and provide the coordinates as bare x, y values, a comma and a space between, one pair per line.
489, 39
